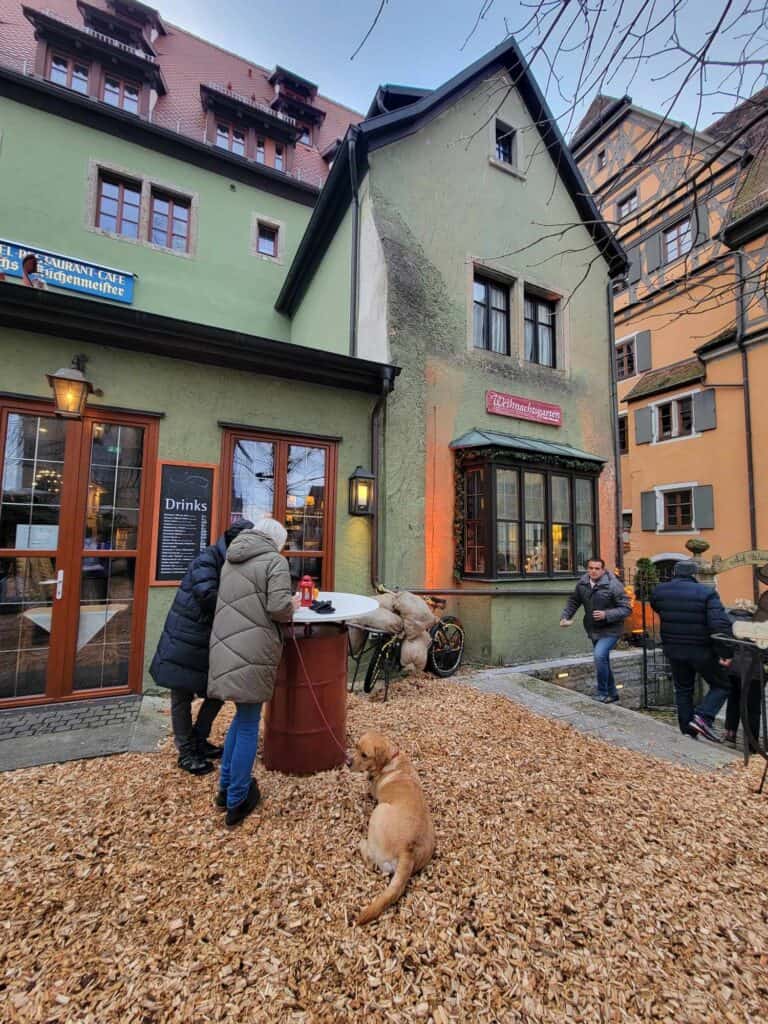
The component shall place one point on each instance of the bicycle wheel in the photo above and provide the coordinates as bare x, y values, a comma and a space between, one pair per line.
385, 658
447, 648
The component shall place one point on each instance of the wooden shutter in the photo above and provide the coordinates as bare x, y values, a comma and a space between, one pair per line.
635, 271
653, 250
644, 425
648, 510
703, 508
643, 351
704, 410
700, 224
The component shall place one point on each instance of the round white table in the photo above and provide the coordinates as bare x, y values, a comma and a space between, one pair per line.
347, 606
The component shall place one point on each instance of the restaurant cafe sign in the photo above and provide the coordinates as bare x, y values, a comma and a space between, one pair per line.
66, 272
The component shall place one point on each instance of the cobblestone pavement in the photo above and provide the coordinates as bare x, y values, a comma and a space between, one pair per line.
79, 729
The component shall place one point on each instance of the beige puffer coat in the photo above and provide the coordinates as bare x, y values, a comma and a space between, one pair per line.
246, 640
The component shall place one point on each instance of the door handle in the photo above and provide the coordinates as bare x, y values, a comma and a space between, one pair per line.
59, 581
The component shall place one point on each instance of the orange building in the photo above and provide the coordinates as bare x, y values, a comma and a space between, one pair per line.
691, 326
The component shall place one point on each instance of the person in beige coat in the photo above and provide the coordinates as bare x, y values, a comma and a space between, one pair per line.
246, 646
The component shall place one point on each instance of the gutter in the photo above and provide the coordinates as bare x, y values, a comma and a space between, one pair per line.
355, 268
741, 323
615, 431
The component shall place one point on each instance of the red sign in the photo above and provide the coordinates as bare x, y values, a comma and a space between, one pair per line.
523, 408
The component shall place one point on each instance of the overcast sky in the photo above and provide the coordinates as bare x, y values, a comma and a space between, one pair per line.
416, 42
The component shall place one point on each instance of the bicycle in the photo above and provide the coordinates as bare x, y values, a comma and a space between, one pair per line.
445, 654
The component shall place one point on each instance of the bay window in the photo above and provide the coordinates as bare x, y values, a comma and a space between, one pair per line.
521, 519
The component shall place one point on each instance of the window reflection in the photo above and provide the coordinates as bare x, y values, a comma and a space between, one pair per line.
305, 498
253, 480
114, 487
26, 612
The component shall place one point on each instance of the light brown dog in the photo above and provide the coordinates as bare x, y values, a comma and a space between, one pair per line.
401, 837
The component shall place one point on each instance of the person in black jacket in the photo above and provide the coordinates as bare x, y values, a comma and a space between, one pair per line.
606, 605
181, 659
690, 613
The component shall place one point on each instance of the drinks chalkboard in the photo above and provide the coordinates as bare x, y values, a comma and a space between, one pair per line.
185, 518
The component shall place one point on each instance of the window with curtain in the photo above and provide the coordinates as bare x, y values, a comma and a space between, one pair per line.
490, 328
525, 520
540, 321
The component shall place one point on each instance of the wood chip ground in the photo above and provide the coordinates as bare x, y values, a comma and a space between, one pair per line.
573, 882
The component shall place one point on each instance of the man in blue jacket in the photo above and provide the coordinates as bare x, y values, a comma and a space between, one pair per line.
690, 613
181, 659
605, 605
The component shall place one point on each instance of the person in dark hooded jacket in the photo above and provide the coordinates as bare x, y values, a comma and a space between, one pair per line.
181, 660
690, 613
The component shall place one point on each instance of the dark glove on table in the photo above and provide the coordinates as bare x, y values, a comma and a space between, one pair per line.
322, 607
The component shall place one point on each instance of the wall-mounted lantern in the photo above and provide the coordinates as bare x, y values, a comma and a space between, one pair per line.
361, 485
71, 388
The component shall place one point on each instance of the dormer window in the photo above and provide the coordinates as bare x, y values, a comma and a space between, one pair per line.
230, 138
306, 136
69, 72
122, 94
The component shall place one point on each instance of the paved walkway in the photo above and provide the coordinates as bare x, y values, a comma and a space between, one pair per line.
68, 732
56, 733
609, 722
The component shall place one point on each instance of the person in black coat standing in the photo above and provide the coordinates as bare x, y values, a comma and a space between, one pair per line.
181, 660
690, 613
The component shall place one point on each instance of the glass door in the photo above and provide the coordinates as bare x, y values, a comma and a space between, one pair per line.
32, 490
74, 553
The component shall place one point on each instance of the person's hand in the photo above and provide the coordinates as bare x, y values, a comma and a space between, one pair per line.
296, 602
566, 622
598, 616
726, 662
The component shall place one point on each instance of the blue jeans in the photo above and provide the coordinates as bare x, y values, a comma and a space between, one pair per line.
240, 753
606, 684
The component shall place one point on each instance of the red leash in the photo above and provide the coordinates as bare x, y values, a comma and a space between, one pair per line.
347, 758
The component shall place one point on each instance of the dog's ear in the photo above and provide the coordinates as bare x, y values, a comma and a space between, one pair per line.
384, 752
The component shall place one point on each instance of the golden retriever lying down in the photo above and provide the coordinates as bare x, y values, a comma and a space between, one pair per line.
401, 837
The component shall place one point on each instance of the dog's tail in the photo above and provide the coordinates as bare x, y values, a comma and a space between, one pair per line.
393, 892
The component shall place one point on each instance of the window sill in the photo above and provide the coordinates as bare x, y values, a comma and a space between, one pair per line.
671, 440
140, 242
507, 168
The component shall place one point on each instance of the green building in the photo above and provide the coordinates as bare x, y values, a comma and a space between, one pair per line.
166, 215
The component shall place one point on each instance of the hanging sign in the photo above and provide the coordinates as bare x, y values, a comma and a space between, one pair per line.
518, 408
184, 525
67, 272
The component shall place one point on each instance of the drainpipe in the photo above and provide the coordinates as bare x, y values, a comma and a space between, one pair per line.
615, 431
741, 325
378, 423
351, 148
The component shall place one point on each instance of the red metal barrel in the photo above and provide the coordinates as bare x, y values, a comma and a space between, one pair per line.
296, 740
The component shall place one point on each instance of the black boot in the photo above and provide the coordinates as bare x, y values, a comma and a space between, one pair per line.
194, 765
208, 750
236, 814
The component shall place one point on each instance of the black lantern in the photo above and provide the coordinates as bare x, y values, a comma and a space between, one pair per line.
71, 388
361, 485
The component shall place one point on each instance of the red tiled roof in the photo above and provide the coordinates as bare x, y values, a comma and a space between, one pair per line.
186, 62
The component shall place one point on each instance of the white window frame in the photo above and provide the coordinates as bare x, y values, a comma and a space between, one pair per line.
659, 491
654, 406
278, 226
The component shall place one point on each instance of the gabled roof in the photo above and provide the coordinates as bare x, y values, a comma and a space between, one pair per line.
667, 378
384, 129
599, 111
393, 97
498, 439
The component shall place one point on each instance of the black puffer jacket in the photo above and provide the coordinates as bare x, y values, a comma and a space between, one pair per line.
607, 596
181, 659
690, 613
